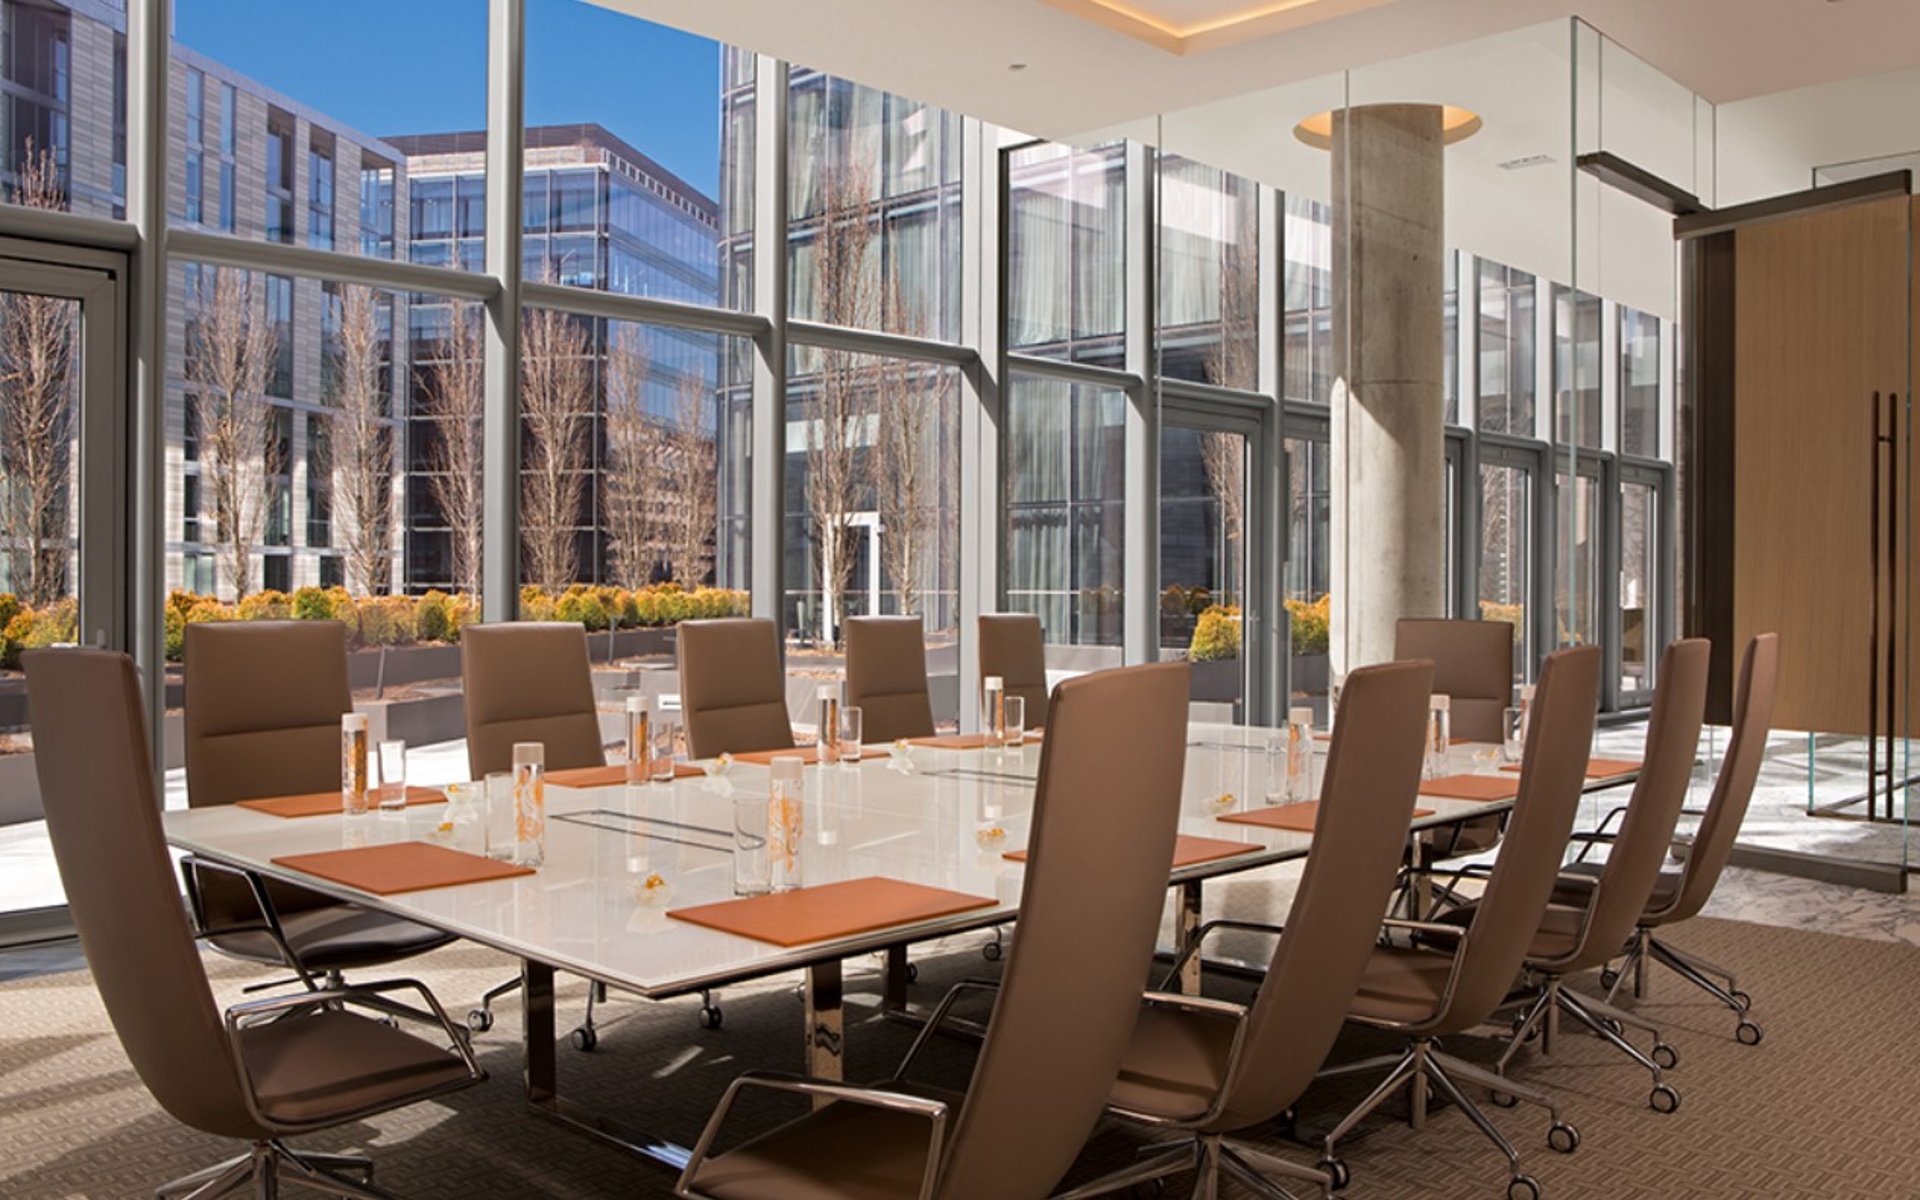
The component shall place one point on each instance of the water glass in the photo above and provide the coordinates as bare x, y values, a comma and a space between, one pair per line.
851, 727
1016, 709
464, 824
353, 764
502, 842
1276, 789
1513, 733
530, 803
1299, 755
393, 775
750, 861
1439, 735
786, 822
663, 747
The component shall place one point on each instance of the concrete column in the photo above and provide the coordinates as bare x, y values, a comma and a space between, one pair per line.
1389, 447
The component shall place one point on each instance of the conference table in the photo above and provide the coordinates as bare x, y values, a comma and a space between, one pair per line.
620, 859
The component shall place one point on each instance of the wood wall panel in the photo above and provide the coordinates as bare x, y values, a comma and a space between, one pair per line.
1821, 323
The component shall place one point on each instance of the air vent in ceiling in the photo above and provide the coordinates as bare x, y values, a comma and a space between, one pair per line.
1531, 160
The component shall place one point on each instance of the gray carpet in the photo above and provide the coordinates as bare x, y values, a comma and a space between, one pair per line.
1823, 1107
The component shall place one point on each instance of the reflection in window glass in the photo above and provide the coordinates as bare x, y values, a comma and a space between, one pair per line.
1576, 589
1506, 554
1639, 383
1506, 342
1450, 342
1203, 514
1066, 269
1576, 367
1639, 585
1308, 244
1309, 567
1209, 274
1064, 476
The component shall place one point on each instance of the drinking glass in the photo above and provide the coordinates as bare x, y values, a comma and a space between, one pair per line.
851, 726
502, 839
785, 821
1513, 733
663, 738
1439, 735
1276, 789
750, 861
530, 802
353, 764
393, 776
1016, 709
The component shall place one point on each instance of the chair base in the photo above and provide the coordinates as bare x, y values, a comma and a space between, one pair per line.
1701, 973
1424, 1064
1209, 1158
1605, 1022
263, 1169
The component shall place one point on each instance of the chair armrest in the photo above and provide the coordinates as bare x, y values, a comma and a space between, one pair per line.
939, 1015
241, 1016
934, 1110
269, 922
1199, 1004
1200, 936
1455, 932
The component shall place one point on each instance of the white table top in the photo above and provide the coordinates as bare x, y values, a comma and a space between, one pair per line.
579, 911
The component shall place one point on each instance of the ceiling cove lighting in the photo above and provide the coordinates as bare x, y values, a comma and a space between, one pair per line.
1456, 125
1189, 26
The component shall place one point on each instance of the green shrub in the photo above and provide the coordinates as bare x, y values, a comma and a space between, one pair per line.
1310, 624
267, 605
432, 620
581, 607
1513, 614
183, 602
176, 633
461, 612
12, 635
1216, 635
10, 607
312, 604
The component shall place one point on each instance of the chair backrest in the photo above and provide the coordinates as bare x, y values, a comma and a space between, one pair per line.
1013, 647
1633, 862
1472, 663
1733, 787
887, 676
90, 751
528, 681
1366, 806
1552, 775
1101, 851
733, 694
263, 707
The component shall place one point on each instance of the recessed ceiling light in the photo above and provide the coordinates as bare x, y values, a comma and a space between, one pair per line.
1016, 66
1456, 125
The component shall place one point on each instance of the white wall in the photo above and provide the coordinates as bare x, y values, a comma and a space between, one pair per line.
1771, 144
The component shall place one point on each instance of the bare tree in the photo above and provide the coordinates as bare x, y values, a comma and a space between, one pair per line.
36, 412
226, 371
846, 293
453, 393
360, 444
1232, 361
632, 484
556, 399
694, 511
907, 472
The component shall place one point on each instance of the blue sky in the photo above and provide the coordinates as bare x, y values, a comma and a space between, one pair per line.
419, 66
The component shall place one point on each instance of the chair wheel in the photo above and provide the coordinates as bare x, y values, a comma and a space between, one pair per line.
1748, 1034
1666, 1056
1336, 1170
1664, 1099
584, 1039
1522, 1187
479, 1020
1503, 1099
1608, 978
990, 952
913, 973
1743, 1000
1563, 1137
1614, 1027
710, 1016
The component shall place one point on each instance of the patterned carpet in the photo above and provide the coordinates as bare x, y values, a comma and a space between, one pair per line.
1822, 1107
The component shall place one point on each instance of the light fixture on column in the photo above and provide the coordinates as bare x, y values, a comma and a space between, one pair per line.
1456, 125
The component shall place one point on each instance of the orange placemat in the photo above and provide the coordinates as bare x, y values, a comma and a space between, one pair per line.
1295, 818
831, 910
401, 867
586, 777
811, 754
1600, 768
1187, 851
1471, 787
319, 804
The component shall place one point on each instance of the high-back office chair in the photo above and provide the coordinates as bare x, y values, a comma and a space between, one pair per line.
1013, 647
733, 694
265, 1070
1583, 937
1102, 841
1208, 1068
887, 677
1681, 894
263, 706
1425, 995
528, 681
1473, 665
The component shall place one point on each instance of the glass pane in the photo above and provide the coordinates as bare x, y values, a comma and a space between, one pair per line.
1639, 383
873, 193
1203, 511
39, 559
1507, 340
1064, 477
274, 142
1308, 246
625, 180
1067, 256
1576, 367
1309, 534
1639, 585
64, 121
1209, 275
1577, 583
1506, 555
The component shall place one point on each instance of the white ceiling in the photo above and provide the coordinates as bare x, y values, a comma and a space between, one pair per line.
1082, 75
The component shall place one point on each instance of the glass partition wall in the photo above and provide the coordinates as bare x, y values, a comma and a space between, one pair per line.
811, 350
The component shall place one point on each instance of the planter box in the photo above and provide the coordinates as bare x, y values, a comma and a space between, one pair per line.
1310, 674
1219, 681
19, 790
404, 665
418, 722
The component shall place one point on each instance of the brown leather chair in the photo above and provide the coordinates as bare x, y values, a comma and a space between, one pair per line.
1680, 894
528, 681
263, 706
1208, 1068
733, 694
1101, 846
1584, 936
887, 677
263, 1071
1013, 647
1426, 994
